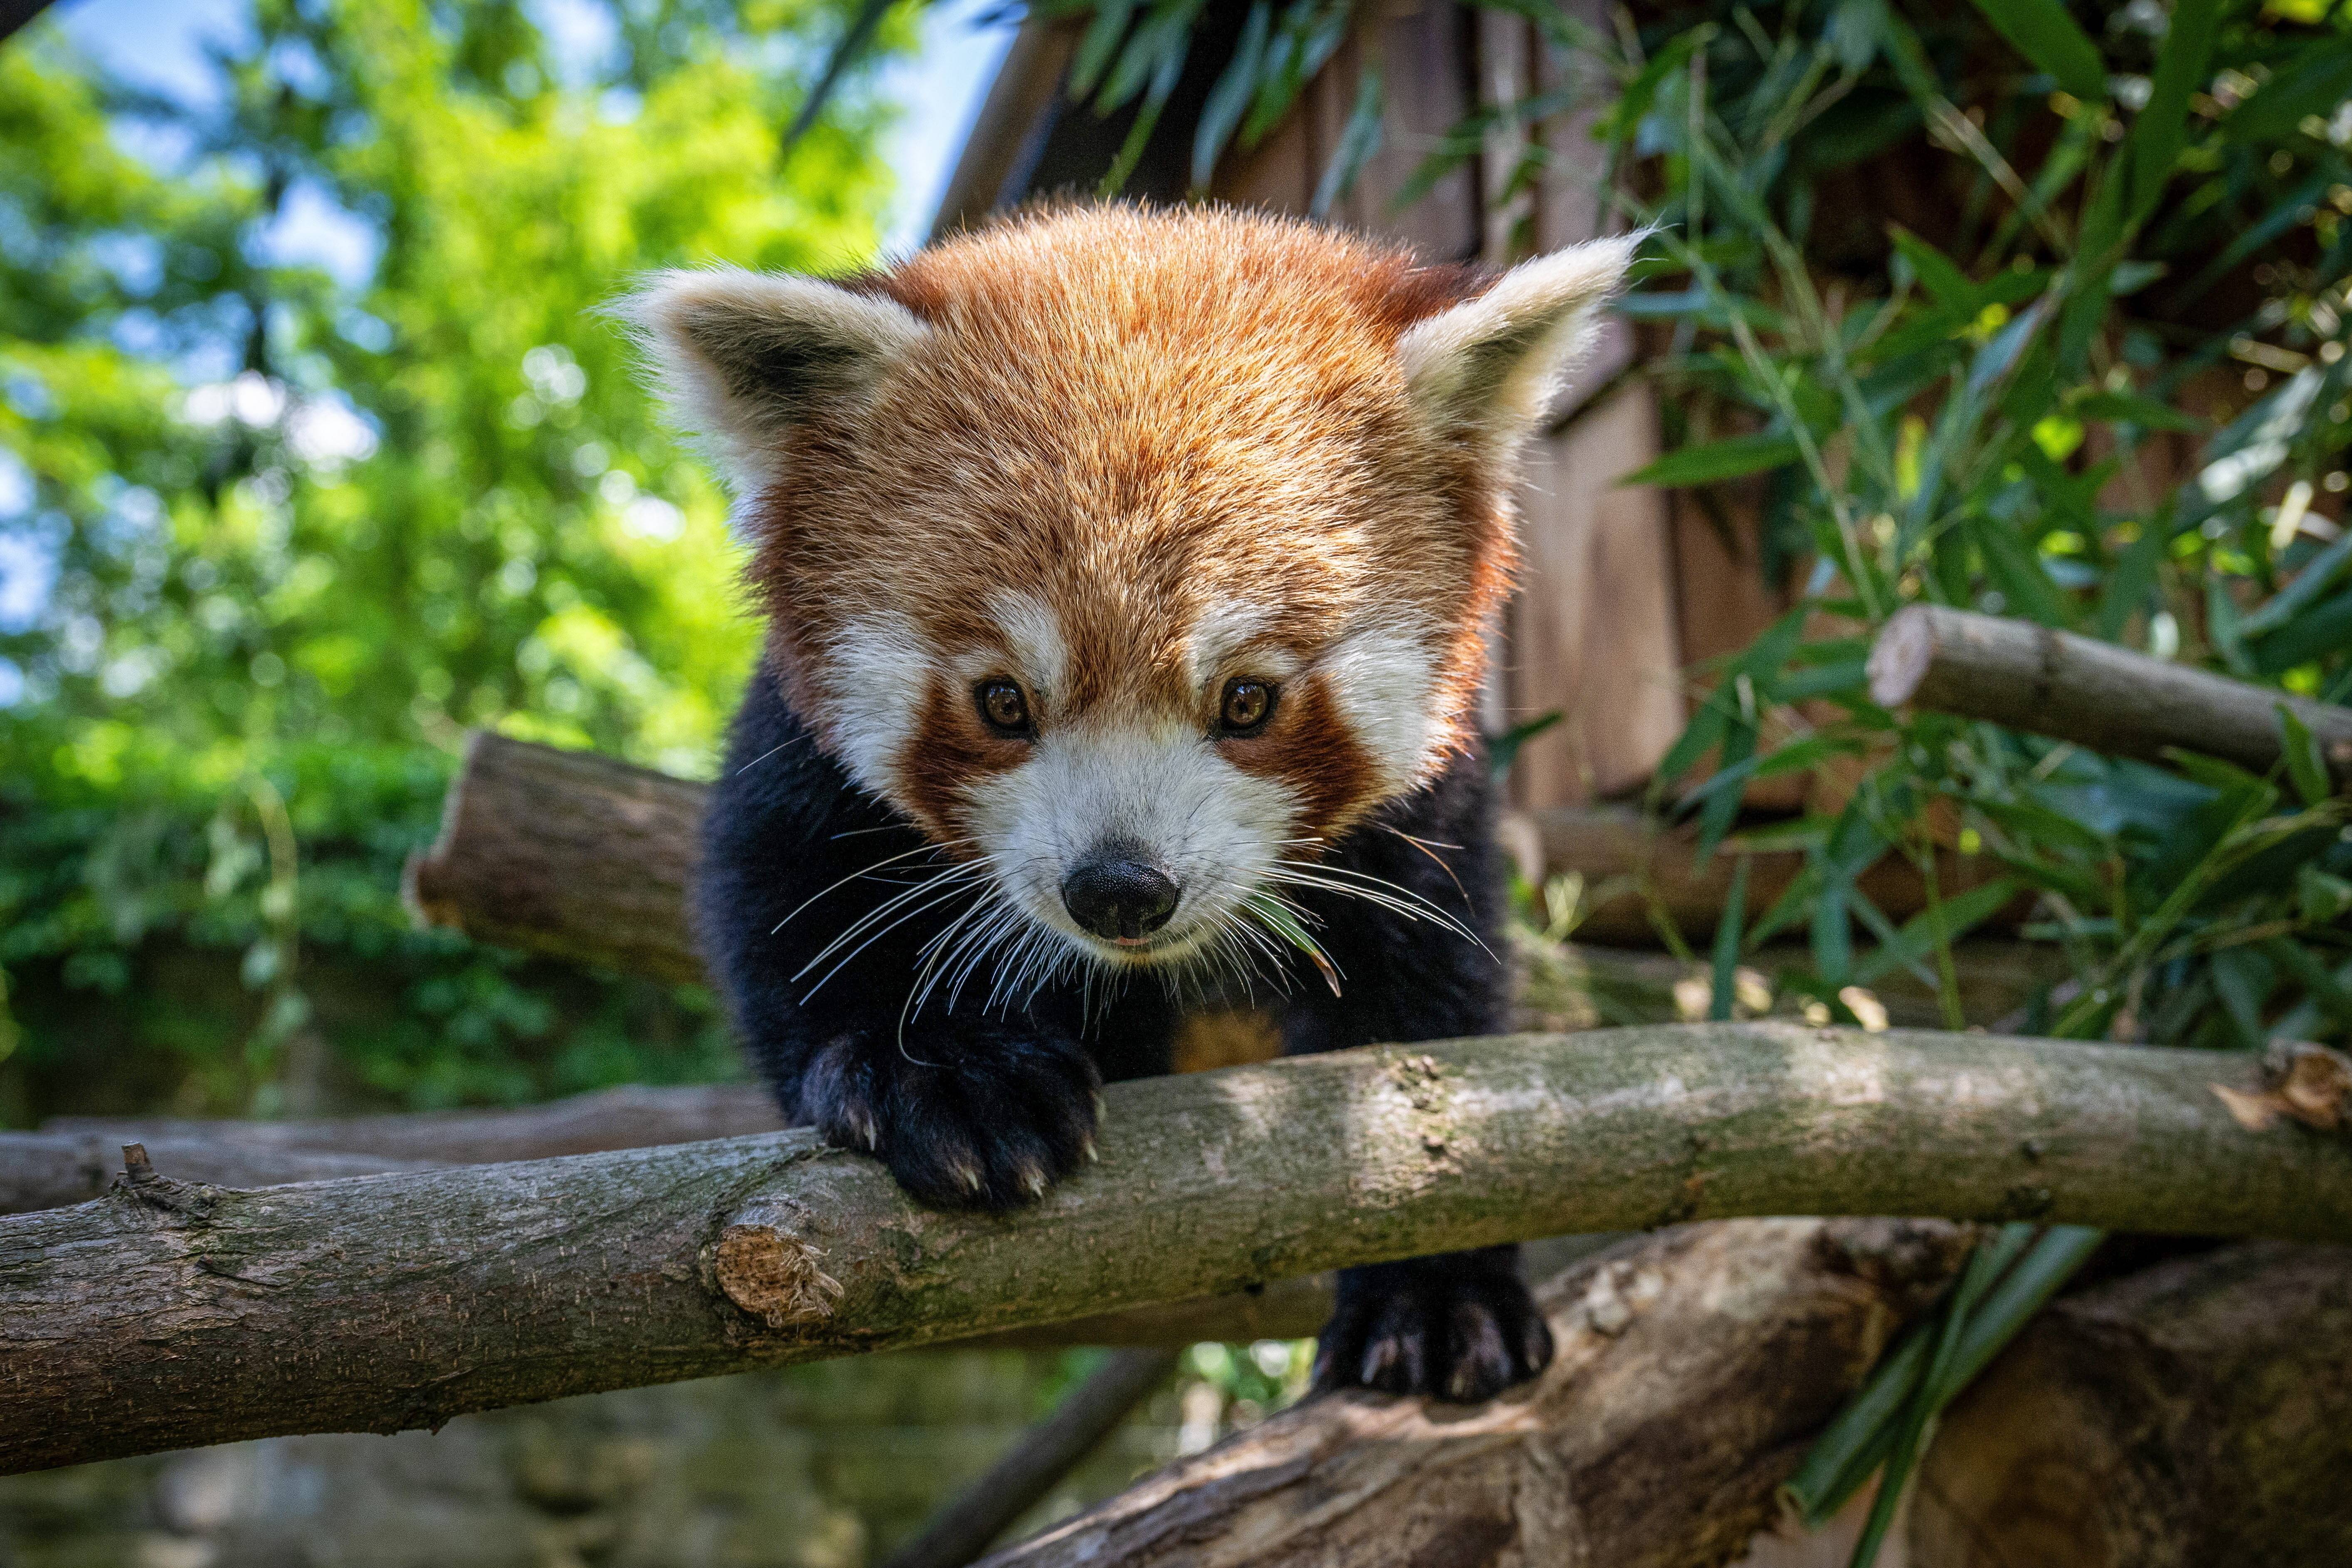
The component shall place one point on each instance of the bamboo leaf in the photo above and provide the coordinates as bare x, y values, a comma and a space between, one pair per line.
1230, 98
2304, 766
2046, 34
1632, 105
2317, 575
1097, 48
1946, 282
854, 43
1726, 459
2049, 1264
1503, 750
1962, 913
2162, 130
1357, 141
2319, 79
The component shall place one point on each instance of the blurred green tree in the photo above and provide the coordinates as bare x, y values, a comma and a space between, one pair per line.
271, 539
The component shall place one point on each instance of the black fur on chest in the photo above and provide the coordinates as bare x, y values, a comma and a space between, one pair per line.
812, 909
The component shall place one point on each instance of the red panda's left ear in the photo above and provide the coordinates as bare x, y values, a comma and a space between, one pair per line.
1486, 368
742, 356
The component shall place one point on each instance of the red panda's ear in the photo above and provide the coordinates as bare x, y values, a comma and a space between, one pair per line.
742, 355
1486, 368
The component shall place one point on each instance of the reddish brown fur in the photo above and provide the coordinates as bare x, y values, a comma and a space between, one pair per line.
1134, 416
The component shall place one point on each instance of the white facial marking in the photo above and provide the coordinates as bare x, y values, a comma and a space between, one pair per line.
1220, 636
877, 668
1034, 632
1380, 677
1214, 829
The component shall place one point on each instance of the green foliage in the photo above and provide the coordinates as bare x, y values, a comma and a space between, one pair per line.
1981, 415
1974, 417
304, 531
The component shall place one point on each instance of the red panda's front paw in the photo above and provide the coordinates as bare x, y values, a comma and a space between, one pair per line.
988, 1124
1456, 1327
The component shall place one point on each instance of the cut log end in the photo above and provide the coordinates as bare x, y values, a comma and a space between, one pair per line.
773, 1275
433, 898
1899, 661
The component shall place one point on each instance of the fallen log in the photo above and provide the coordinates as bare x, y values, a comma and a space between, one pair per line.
1694, 1368
2028, 676
2197, 1414
170, 1314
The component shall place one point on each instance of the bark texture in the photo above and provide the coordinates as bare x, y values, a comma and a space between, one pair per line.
567, 853
74, 1158
2194, 1414
1694, 1368
170, 1314
2110, 700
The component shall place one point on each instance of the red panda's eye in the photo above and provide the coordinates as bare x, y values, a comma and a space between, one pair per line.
1003, 706
1245, 707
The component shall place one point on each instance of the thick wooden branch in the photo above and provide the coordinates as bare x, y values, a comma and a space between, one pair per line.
565, 853
1694, 1368
2099, 695
73, 1158
171, 1314
2193, 1415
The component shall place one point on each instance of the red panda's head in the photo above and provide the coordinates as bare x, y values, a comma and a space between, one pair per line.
1152, 548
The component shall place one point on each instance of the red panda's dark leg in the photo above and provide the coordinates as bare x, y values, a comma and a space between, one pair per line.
1462, 1325
813, 904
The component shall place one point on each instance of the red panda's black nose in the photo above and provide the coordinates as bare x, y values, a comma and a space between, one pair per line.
1119, 896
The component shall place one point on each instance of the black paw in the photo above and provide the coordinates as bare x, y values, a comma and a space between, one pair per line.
988, 1119
1461, 1327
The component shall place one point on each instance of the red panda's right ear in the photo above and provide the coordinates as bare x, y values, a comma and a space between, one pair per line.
740, 355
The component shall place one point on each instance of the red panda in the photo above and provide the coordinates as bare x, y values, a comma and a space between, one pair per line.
1127, 575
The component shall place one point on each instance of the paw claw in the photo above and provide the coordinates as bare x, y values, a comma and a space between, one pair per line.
990, 1124
1462, 1329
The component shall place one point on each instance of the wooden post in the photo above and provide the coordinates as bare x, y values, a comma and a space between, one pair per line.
2094, 694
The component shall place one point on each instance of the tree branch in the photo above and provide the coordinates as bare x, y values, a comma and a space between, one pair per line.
173, 1314
71, 1159
1693, 1369
565, 853
2104, 698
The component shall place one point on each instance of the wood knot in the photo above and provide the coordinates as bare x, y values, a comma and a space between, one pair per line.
774, 1276
2303, 1082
